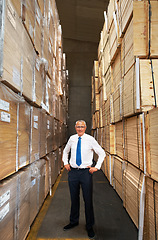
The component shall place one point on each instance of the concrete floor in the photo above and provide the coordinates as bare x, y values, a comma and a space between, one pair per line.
111, 220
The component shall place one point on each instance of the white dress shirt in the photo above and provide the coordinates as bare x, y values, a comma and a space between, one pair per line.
88, 146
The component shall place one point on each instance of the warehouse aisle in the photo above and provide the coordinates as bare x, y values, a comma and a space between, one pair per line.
111, 220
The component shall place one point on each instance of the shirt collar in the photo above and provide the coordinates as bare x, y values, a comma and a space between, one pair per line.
81, 136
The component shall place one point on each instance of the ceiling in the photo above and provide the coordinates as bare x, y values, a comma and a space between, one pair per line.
82, 19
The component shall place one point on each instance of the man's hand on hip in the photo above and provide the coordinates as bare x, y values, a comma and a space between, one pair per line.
67, 166
92, 169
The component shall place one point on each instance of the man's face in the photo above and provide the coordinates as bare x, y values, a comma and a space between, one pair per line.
80, 128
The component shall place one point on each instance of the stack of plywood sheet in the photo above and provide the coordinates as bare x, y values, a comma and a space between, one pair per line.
151, 141
108, 167
118, 170
151, 213
128, 61
133, 134
132, 185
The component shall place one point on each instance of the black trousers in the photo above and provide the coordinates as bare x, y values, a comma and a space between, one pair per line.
83, 178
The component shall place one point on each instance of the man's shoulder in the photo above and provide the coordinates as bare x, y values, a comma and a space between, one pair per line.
73, 136
88, 136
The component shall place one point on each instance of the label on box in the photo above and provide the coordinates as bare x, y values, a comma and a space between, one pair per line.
37, 64
4, 212
4, 105
16, 77
11, 15
35, 125
5, 117
35, 118
23, 161
4, 198
50, 47
31, 30
33, 182
36, 155
48, 124
38, 18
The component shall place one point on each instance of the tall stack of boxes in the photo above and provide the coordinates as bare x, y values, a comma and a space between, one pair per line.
33, 110
127, 106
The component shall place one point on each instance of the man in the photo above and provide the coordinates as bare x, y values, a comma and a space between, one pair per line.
80, 173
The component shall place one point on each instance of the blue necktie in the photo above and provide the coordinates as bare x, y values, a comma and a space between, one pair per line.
78, 152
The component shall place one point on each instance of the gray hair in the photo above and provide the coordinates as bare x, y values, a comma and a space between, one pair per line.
81, 121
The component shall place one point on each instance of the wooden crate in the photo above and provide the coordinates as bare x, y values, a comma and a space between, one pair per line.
24, 134
35, 135
132, 185
8, 131
11, 35
141, 29
134, 141
151, 147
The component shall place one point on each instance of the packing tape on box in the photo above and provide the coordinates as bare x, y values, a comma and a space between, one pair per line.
141, 210
17, 139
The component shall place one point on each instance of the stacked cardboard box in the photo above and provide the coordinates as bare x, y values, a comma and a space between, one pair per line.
33, 110
128, 52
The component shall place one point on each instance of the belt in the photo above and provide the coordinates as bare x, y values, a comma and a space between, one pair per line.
78, 168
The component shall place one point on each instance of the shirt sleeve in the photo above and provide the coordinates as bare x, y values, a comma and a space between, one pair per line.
66, 152
100, 152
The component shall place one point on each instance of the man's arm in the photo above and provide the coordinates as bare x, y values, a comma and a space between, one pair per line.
65, 155
100, 152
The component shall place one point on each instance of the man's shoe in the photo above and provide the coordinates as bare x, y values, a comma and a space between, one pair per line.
69, 226
91, 233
